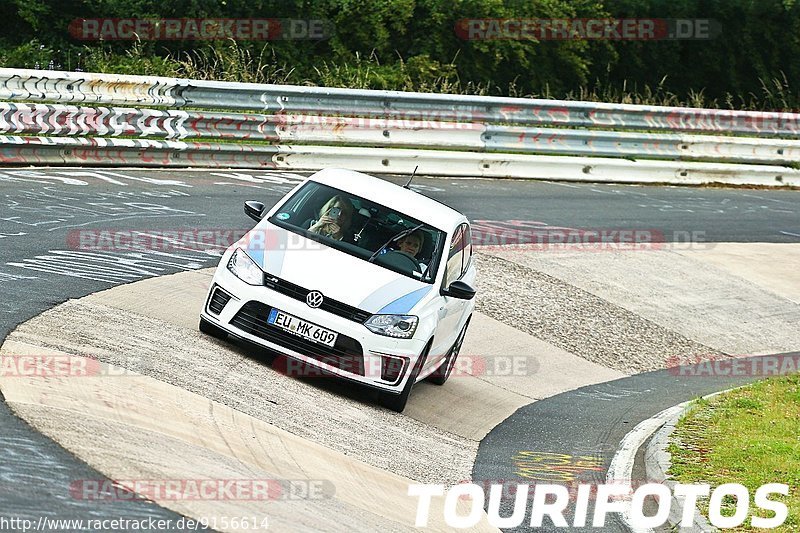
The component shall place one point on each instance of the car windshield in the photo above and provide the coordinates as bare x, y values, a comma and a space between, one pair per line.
364, 229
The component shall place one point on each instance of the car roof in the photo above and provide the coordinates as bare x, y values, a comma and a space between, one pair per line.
394, 196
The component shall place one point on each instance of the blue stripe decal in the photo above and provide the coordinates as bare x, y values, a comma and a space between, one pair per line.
404, 304
273, 263
260, 241
392, 290
256, 253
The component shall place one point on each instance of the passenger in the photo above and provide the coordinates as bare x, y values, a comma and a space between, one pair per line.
334, 219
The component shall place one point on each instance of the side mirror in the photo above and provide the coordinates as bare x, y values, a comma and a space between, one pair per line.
460, 290
254, 210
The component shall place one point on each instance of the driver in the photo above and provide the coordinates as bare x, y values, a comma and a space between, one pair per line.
412, 244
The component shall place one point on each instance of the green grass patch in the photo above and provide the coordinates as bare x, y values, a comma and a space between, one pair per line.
750, 436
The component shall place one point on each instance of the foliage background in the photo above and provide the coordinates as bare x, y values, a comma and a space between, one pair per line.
411, 45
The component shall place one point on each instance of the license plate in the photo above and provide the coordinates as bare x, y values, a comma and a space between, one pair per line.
301, 328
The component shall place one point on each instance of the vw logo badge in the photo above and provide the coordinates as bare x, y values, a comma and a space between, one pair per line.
314, 299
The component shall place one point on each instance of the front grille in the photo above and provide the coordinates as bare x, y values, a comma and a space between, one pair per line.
346, 354
219, 299
328, 304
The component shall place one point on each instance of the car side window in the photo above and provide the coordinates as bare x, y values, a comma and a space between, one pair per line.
467, 249
455, 257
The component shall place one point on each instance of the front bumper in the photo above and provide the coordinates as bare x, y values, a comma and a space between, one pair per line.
358, 355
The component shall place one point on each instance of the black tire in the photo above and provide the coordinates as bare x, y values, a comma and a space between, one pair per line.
441, 374
210, 329
397, 402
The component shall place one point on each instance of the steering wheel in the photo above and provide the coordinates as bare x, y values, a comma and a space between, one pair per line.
410, 258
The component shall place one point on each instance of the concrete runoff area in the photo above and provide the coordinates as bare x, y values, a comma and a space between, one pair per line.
192, 407
490, 395
133, 427
150, 328
576, 319
771, 266
328, 411
734, 299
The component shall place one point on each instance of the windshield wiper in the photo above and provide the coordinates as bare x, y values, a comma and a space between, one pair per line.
395, 238
435, 247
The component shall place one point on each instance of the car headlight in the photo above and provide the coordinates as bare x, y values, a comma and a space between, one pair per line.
245, 268
398, 326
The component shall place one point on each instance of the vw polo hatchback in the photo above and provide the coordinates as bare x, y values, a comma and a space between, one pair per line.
353, 275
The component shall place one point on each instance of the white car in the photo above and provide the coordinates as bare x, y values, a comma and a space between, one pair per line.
354, 276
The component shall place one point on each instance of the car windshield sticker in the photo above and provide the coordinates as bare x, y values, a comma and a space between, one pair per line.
283, 216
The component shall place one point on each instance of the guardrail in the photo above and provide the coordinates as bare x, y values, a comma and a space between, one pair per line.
178, 122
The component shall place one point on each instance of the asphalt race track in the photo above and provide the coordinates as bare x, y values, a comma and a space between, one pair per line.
585, 426
42, 212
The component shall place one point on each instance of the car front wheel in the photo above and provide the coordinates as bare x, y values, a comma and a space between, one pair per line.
439, 377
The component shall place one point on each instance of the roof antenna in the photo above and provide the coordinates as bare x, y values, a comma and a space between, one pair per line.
411, 178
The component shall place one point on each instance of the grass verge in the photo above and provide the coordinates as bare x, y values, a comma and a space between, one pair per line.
749, 436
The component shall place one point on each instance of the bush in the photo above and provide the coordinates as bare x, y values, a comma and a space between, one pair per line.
412, 45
